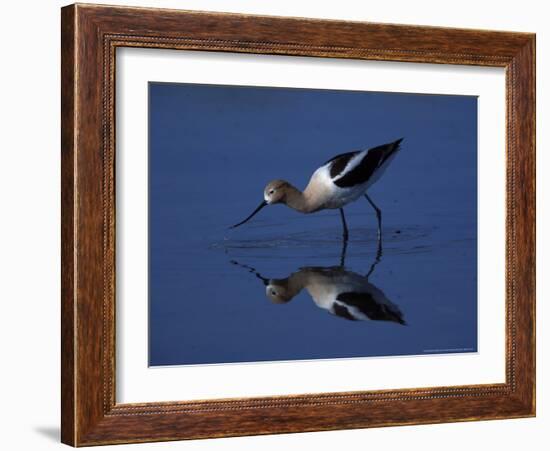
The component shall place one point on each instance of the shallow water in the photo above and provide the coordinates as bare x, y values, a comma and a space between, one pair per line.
212, 150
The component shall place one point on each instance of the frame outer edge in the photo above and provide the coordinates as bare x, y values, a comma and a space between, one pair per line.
68, 238
524, 64
533, 120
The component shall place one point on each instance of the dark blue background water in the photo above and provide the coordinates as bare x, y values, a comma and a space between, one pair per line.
213, 149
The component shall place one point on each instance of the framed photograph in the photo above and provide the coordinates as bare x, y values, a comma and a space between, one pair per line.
278, 225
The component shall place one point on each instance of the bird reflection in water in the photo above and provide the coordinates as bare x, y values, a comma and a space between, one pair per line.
343, 293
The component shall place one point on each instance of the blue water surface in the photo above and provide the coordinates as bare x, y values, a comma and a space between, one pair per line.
212, 149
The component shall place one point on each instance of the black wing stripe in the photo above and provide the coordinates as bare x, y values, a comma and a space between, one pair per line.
339, 163
366, 304
342, 312
374, 158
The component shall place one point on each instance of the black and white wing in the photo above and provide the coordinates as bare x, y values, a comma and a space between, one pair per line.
355, 168
364, 305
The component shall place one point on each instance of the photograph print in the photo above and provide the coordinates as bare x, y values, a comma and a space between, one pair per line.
294, 224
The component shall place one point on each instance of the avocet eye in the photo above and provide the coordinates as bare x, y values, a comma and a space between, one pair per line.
271, 191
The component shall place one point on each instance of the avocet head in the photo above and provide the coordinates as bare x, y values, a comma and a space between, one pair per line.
278, 292
275, 191
281, 291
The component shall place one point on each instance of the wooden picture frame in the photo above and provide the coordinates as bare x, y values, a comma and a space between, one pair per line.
90, 412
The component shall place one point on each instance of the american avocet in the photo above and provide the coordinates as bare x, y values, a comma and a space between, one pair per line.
341, 292
341, 180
